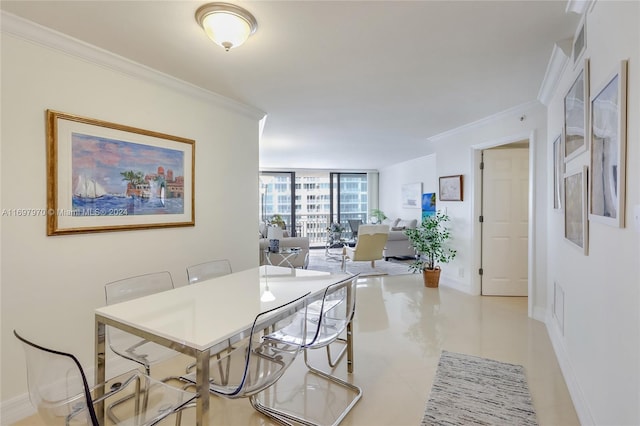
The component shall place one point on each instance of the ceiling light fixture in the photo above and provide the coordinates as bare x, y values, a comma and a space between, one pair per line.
226, 24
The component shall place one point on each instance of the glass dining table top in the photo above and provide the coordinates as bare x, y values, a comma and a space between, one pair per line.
200, 315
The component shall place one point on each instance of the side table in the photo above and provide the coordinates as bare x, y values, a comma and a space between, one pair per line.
284, 256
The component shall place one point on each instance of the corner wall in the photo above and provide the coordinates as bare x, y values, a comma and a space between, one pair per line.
51, 285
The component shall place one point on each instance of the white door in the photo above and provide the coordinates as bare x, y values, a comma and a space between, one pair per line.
505, 192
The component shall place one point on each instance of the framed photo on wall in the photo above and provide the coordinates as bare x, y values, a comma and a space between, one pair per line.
104, 176
575, 208
412, 195
451, 188
576, 115
608, 147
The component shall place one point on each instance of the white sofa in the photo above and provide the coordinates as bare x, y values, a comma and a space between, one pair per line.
299, 261
398, 244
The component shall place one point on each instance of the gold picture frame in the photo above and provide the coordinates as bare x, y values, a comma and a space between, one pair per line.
104, 176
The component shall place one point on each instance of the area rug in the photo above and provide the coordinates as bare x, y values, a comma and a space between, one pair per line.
469, 390
319, 261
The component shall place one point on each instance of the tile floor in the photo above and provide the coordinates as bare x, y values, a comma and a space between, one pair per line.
400, 328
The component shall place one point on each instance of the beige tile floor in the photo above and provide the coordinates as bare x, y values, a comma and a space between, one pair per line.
400, 329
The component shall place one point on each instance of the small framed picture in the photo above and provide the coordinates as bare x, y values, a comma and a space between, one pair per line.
575, 208
451, 188
411, 195
576, 114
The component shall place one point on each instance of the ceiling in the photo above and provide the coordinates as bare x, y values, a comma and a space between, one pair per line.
345, 84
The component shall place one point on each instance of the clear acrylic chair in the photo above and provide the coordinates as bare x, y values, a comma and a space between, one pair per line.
127, 345
206, 270
258, 359
59, 390
328, 317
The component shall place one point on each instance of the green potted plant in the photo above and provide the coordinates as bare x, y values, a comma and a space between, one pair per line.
377, 216
430, 242
277, 220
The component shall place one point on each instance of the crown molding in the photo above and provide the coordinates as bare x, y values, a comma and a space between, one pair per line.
557, 63
579, 6
514, 111
38, 34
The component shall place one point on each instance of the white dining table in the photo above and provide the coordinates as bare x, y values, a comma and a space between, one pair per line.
201, 319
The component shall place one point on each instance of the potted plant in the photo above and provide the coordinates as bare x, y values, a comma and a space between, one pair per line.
277, 220
429, 240
377, 216
335, 230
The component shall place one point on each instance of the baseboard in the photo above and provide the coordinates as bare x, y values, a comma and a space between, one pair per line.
577, 396
19, 407
16, 409
539, 314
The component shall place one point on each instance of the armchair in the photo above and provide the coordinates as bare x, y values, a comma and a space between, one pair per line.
370, 245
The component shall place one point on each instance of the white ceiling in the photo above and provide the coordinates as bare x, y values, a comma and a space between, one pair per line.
345, 84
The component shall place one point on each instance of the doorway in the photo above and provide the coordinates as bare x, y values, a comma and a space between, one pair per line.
504, 269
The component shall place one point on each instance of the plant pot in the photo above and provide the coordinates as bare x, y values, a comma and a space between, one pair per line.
431, 277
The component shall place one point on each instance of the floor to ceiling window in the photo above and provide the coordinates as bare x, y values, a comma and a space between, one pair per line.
314, 201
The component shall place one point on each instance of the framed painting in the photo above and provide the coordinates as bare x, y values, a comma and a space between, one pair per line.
428, 204
104, 176
576, 114
451, 188
575, 208
608, 147
412, 195
558, 173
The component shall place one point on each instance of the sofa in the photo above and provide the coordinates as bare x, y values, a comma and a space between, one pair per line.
398, 244
299, 261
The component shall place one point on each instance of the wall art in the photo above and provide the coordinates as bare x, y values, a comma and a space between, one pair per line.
104, 176
575, 208
608, 148
412, 195
576, 114
451, 188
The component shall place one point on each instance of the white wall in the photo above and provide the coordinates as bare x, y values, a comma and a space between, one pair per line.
455, 152
392, 178
51, 285
600, 347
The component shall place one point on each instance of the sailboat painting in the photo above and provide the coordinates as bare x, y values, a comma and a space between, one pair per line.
113, 177
104, 176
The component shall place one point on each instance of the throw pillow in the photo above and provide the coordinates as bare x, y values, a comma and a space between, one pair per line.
398, 228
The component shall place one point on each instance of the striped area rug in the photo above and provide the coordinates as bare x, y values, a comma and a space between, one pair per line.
469, 390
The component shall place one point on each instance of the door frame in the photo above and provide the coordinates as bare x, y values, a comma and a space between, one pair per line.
476, 158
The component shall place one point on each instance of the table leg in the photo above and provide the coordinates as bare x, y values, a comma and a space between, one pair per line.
349, 348
350, 297
202, 388
100, 367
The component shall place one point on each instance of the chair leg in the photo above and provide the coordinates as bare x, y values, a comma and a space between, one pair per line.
286, 418
333, 363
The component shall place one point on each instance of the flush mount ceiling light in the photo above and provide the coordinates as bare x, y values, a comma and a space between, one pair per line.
226, 24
